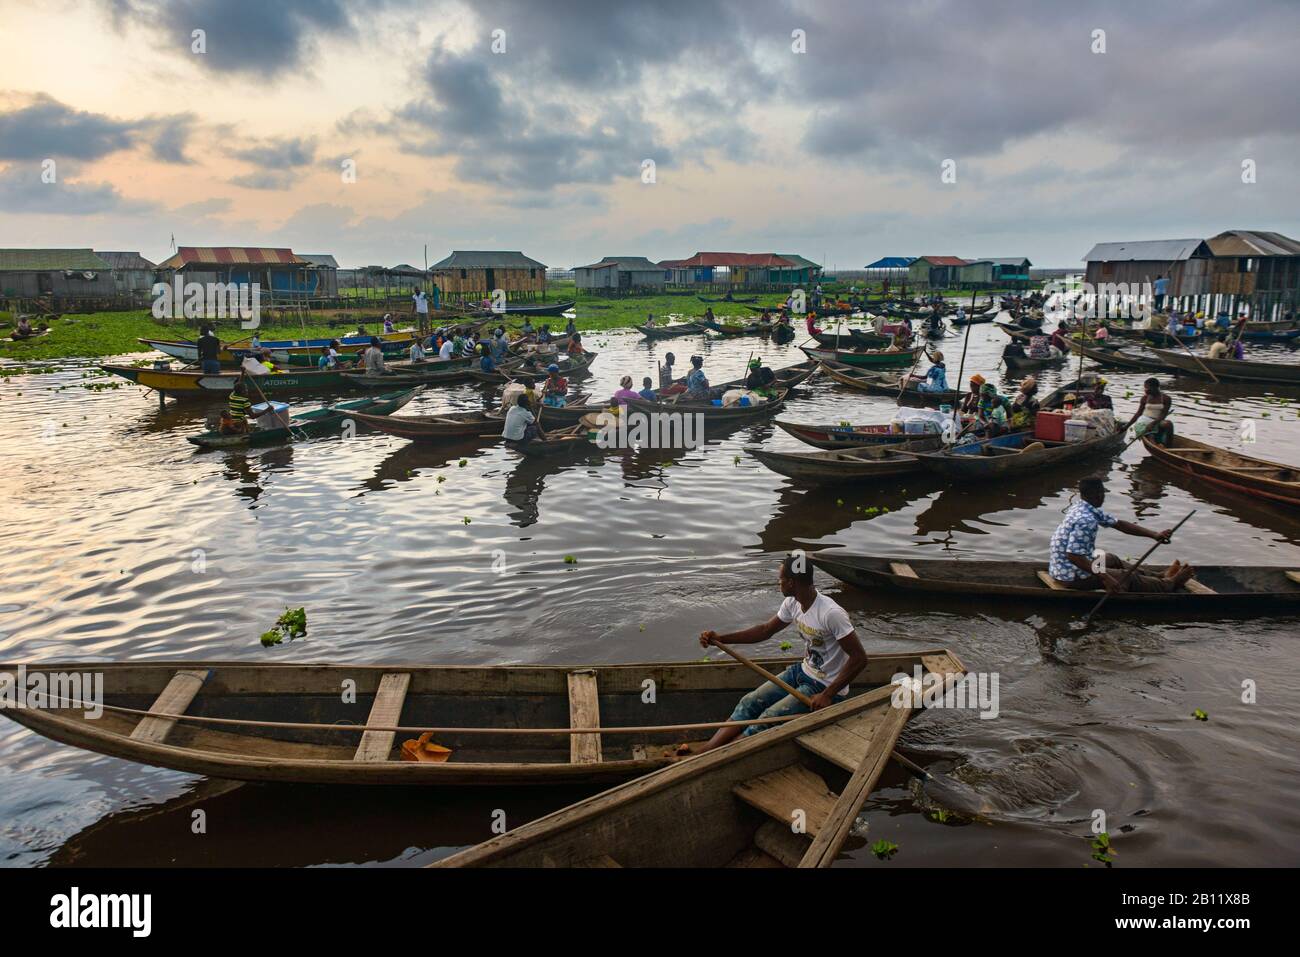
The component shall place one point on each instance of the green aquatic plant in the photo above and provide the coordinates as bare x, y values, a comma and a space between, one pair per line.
1200, 715
292, 624
884, 850
1102, 849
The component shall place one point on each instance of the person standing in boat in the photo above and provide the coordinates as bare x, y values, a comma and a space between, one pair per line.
833, 654
1152, 415
1161, 289
209, 351
1075, 564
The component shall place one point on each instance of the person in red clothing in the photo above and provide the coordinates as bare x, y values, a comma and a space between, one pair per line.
811, 323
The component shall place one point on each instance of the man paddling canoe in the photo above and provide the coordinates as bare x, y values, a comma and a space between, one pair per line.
1073, 564
833, 655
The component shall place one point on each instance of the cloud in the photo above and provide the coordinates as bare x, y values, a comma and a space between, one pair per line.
47, 128
23, 191
278, 153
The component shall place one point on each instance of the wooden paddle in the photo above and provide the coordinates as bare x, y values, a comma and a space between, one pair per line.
1132, 569
803, 699
1189, 351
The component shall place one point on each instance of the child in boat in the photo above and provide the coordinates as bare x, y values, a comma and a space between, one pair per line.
1073, 561
833, 655
647, 390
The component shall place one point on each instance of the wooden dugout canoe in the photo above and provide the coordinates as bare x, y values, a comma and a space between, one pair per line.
448, 427
733, 806
1229, 470
890, 384
305, 357
429, 372
317, 422
199, 385
1224, 587
1030, 364
670, 331
843, 436
1014, 454
416, 697
851, 338
1120, 358
850, 465
1243, 370
866, 359
511, 370
713, 414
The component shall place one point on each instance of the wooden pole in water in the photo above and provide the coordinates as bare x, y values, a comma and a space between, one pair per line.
961, 375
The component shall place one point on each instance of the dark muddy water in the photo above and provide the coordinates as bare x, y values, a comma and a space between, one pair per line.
124, 542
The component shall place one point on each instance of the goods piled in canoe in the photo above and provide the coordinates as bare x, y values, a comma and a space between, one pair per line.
322, 421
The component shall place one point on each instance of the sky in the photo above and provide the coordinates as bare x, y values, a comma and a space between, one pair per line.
575, 130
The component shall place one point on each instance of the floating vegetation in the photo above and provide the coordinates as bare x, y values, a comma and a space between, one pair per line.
292, 624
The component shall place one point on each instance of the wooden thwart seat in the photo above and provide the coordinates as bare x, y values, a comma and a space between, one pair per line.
1294, 576
175, 699
386, 711
787, 790
1192, 585
902, 570
1050, 582
584, 712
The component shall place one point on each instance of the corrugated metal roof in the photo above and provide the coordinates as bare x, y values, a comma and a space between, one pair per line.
1252, 242
231, 256
626, 263
125, 260
320, 259
41, 260
751, 260
892, 262
1151, 250
945, 261
488, 259
673, 264
1014, 261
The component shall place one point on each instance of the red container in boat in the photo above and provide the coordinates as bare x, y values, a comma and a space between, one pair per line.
1050, 426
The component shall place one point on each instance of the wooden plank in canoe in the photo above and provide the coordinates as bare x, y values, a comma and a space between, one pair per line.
601, 860
175, 699
584, 712
778, 841
902, 570
787, 790
845, 743
1294, 576
835, 828
1050, 582
386, 711
755, 857
1192, 585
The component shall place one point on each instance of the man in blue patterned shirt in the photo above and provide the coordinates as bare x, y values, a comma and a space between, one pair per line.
1072, 561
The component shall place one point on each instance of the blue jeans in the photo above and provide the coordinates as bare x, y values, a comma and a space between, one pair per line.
770, 701
211, 367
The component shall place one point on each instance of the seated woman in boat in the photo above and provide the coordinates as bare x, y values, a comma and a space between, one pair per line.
521, 425
648, 390
1098, 399
417, 351
1152, 415
810, 323
649, 320
936, 377
389, 328
934, 324
833, 655
23, 330
991, 413
1102, 333
570, 328
697, 383
1073, 561
556, 390
373, 358
544, 335
1058, 338
971, 400
527, 328
1014, 349
1025, 405
625, 391
575, 346
760, 378
485, 361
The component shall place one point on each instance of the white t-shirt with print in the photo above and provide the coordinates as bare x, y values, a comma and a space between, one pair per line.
821, 627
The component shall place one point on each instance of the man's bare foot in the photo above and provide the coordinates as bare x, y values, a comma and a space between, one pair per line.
1185, 574
1173, 569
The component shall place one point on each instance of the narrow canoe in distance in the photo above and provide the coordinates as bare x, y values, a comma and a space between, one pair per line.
448, 427
1244, 370
850, 465
317, 422
733, 806
471, 710
1217, 588
1229, 470
843, 435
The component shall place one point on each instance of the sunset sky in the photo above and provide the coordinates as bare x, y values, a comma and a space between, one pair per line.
834, 153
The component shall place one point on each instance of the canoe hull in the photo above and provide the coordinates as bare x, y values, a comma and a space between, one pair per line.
973, 464
829, 468
311, 425
865, 360
1284, 487
1241, 370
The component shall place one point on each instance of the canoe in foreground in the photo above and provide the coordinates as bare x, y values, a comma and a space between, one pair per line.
1243, 370
322, 421
734, 806
1016, 453
471, 710
850, 465
1246, 587
1229, 470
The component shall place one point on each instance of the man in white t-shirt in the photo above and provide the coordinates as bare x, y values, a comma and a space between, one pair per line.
421, 303
447, 346
833, 655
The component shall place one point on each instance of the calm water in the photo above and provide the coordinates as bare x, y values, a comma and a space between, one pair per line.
124, 542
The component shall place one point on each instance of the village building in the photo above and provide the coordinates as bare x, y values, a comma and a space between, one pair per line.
475, 274
936, 272
54, 275
615, 274
279, 273
133, 275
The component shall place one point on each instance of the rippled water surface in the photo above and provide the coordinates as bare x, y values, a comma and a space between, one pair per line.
125, 542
